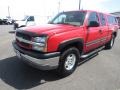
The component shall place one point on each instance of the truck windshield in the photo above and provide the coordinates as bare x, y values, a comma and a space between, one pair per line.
75, 18
26, 17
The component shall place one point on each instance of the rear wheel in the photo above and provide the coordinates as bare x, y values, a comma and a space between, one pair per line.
110, 44
68, 61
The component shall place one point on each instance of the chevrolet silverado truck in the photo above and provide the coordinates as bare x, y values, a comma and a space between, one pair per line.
66, 40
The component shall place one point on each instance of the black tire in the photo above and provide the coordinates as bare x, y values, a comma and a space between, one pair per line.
110, 44
62, 68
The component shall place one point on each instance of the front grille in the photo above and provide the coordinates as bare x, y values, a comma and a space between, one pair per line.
21, 43
24, 36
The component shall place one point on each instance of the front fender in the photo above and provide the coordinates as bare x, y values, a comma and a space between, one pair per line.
77, 42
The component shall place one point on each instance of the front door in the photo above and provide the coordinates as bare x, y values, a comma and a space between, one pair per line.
93, 33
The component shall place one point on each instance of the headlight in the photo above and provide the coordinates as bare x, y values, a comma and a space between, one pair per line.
39, 39
39, 43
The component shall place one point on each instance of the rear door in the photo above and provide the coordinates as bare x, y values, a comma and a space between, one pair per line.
104, 30
93, 33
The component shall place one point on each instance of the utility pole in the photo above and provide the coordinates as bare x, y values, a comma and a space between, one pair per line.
8, 11
79, 4
58, 6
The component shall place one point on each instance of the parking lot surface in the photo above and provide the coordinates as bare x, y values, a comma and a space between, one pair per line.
99, 73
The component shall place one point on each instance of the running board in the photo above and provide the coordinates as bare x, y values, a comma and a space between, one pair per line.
91, 53
87, 59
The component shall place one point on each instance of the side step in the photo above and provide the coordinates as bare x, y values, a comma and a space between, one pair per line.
92, 53
87, 59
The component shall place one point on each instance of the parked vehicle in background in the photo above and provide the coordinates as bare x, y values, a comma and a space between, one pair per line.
3, 21
118, 18
6, 21
10, 21
0, 21
30, 21
67, 40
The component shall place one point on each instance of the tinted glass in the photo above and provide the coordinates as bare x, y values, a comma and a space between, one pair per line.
102, 19
72, 18
31, 18
112, 20
93, 17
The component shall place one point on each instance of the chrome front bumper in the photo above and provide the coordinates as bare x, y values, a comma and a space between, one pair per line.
43, 64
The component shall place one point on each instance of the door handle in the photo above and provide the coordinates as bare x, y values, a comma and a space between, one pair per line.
100, 31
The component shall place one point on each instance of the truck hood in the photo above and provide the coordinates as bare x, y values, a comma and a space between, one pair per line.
50, 28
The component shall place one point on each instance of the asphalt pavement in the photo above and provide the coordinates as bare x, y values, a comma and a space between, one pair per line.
99, 73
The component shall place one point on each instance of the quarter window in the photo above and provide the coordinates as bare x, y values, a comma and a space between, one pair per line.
102, 19
112, 20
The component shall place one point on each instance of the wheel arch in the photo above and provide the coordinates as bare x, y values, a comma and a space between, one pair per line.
76, 42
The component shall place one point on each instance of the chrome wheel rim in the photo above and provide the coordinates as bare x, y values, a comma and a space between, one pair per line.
70, 61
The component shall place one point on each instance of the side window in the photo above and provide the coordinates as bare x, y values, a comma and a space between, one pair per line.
93, 17
31, 18
112, 20
118, 19
102, 19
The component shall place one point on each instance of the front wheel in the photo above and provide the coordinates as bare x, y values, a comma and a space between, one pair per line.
110, 44
68, 61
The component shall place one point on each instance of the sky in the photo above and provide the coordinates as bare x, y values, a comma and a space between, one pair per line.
20, 8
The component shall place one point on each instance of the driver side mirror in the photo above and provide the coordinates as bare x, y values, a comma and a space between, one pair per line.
93, 24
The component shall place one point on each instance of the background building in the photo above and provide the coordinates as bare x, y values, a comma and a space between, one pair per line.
116, 13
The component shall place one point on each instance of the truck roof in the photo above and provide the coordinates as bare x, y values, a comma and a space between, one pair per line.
92, 11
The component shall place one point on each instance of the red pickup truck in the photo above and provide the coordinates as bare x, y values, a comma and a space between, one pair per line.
66, 40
